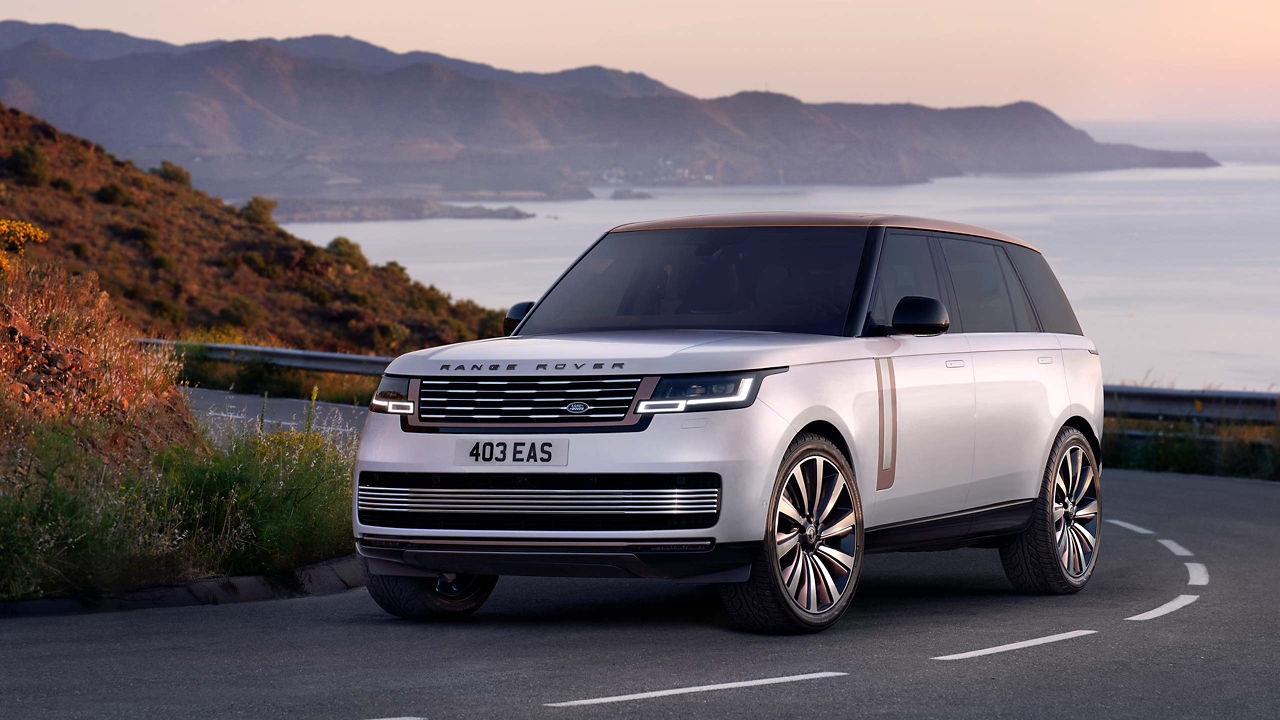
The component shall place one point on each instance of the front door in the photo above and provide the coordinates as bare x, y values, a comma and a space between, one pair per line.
926, 393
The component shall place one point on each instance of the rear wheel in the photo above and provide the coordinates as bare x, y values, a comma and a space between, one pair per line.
811, 557
417, 598
1057, 551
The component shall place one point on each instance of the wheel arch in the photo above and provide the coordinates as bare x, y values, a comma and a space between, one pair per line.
829, 431
1086, 429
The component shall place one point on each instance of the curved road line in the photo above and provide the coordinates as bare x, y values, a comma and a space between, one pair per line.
1017, 645
1175, 548
696, 689
1175, 604
1131, 527
1197, 574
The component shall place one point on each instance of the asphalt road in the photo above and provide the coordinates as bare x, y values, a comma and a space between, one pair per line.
539, 642
223, 411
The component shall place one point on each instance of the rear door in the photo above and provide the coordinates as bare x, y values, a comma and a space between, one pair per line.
1019, 382
926, 393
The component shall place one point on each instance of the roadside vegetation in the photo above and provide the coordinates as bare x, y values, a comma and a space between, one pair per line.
108, 484
1162, 446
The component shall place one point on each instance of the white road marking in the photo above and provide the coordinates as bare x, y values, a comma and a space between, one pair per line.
1175, 604
699, 688
1197, 574
1175, 548
1017, 645
1131, 527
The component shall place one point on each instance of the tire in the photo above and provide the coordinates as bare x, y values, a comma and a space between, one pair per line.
823, 572
419, 598
1058, 550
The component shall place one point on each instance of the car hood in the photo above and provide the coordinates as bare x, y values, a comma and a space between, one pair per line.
628, 351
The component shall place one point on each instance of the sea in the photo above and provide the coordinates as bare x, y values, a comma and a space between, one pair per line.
1174, 273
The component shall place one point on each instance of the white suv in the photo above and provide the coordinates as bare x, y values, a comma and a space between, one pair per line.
750, 400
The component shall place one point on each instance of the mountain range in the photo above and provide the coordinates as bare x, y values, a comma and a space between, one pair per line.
336, 117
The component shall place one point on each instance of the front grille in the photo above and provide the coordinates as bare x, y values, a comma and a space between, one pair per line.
545, 501
524, 401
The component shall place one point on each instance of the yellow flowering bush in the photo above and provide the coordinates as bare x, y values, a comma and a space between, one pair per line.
15, 236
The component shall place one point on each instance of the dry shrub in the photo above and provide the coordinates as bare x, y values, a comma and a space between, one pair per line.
107, 484
67, 355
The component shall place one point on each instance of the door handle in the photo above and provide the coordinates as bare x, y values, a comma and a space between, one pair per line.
955, 363
1045, 360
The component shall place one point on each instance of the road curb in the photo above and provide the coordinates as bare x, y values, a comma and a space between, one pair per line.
322, 578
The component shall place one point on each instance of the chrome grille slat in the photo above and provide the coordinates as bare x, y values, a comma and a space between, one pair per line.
536, 492
529, 401
540, 501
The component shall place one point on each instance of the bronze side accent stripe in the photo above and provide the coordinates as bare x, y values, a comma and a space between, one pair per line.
886, 468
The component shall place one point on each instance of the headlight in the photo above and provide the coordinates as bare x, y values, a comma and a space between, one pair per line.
689, 393
392, 396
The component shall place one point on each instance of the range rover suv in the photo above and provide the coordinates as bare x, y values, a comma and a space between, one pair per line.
752, 400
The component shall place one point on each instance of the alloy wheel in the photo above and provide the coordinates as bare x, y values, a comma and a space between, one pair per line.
814, 523
1075, 511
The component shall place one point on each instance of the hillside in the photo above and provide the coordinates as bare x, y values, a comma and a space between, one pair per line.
176, 261
338, 118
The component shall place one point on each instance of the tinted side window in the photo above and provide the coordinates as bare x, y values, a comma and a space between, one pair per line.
1056, 315
981, 291
906, 268
1024, 318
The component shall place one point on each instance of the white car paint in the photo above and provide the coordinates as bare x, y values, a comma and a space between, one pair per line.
934, 426
963, 440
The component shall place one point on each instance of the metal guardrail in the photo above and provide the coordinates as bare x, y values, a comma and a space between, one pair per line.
1214, 406
283, 357
1139, 403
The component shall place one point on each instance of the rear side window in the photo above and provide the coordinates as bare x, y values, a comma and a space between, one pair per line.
1024, 318
906, 268
981, 290
1056, 315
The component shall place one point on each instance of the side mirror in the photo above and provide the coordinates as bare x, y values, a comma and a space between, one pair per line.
515, 315
917, 315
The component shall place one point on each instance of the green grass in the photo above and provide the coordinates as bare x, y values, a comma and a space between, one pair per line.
257, 505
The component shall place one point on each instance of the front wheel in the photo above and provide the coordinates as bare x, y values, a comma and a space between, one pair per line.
418, 598
1057, 551
811, 557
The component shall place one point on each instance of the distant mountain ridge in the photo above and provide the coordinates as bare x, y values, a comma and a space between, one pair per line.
339, 50
326, 116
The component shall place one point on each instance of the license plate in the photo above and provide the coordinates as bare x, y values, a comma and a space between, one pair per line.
524, 453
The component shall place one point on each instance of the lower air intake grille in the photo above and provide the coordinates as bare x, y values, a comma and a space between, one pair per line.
544, 501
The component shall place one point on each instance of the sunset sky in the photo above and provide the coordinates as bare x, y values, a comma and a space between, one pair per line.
1179, 60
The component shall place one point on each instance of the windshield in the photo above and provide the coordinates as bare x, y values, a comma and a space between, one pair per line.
781, 279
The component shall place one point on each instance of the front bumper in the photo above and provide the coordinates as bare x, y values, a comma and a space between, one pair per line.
689, 561
742, 446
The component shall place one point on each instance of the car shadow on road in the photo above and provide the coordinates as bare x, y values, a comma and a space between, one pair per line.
892, 584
